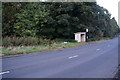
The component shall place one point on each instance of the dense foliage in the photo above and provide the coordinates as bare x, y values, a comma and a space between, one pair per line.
57, 20
23, 41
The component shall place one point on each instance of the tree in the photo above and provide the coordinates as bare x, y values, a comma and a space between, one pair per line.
31, 20
8, 19
58, 20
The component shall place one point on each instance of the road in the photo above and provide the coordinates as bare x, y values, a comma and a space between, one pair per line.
95, 60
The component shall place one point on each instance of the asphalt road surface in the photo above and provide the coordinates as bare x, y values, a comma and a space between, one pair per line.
95, 60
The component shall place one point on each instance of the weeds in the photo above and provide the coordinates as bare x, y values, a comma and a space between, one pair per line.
23, 41
39, 48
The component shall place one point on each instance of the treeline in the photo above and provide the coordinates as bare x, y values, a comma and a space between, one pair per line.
57, 20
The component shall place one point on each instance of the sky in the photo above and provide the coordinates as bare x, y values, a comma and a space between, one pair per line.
111, 6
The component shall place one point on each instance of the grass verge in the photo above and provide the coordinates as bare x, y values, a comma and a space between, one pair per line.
101, 40
31, 49
16, 51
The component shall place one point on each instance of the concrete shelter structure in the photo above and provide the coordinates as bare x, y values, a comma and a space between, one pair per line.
80, 36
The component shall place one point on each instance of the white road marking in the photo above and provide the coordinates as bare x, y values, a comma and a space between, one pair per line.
98, 49
1, 73
73, 56
70, 57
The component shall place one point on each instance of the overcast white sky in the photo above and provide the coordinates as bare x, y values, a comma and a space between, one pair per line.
111, 6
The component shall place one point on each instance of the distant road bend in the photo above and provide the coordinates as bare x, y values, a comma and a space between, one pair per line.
95, 60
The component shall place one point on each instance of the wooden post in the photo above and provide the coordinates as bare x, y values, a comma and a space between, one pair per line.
50, 42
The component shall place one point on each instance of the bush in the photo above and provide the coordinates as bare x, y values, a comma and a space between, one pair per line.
71, 40
23, 41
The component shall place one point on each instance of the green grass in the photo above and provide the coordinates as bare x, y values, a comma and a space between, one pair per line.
101, 39
57, 45
41, 48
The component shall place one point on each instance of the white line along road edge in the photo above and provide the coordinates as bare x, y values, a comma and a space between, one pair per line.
1, 73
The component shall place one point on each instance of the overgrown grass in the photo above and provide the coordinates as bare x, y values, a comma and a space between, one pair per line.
23, 41
25, 45
32, 49
31, 45
100, 39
